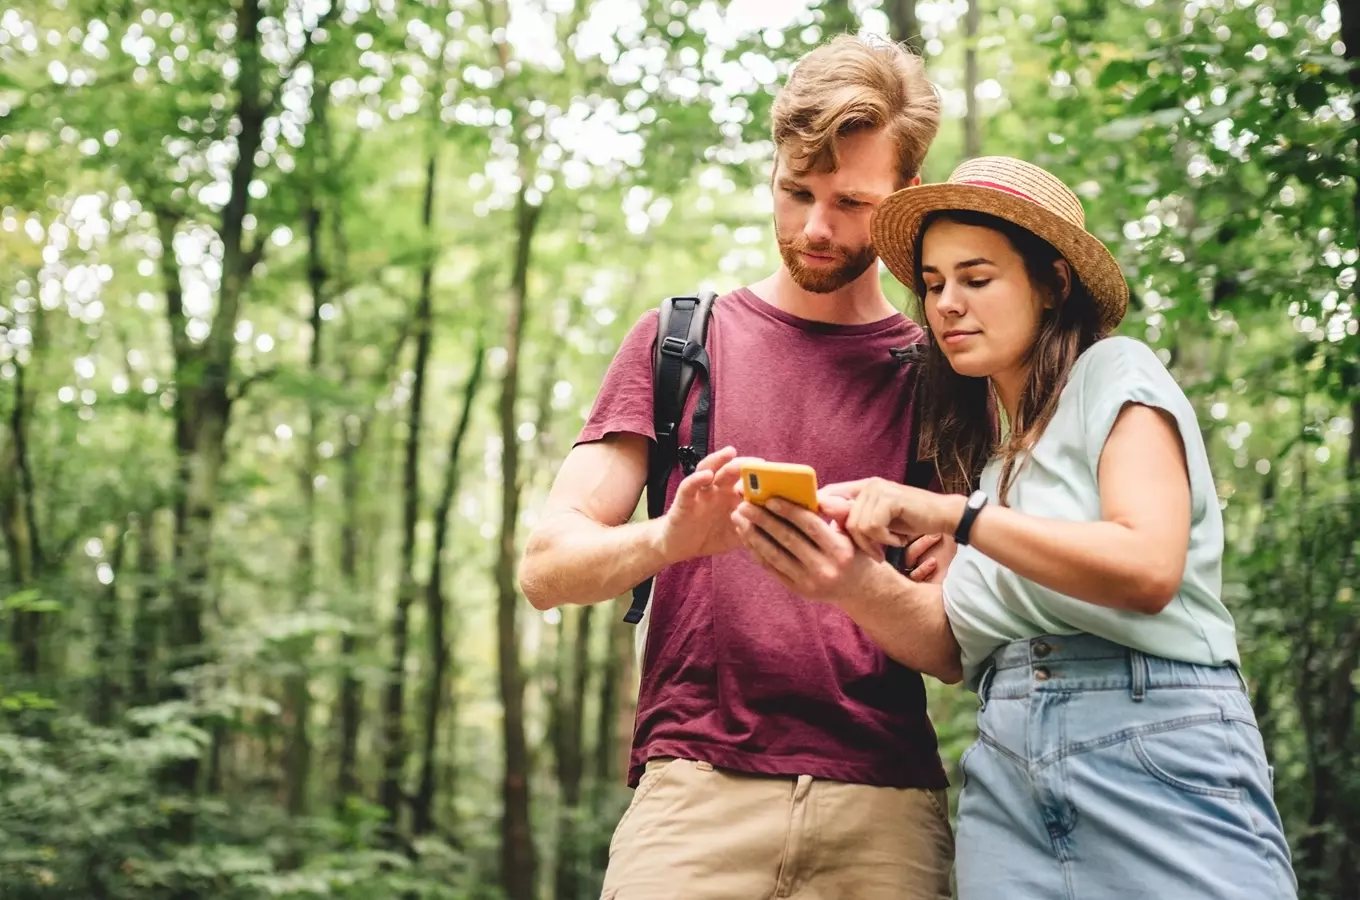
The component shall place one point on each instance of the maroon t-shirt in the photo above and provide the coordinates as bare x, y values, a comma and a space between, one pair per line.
738, 671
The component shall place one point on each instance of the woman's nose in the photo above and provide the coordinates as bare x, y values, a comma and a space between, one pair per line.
949, 301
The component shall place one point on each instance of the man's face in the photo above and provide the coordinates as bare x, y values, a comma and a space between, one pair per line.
821, 219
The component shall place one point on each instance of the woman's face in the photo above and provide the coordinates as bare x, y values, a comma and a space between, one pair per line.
980, 302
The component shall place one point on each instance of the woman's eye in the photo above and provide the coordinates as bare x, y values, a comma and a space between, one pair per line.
979, 282
934, 288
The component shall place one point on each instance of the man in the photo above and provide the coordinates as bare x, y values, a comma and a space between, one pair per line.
778, 751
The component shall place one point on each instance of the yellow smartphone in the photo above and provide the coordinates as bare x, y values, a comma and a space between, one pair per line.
790, 481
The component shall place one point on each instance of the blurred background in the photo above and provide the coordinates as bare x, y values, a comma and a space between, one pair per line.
302, 303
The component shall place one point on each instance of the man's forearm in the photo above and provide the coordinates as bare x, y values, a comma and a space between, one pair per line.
907, 620
576, 560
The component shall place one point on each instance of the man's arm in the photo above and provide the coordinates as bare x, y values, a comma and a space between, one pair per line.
813, 559
907, 620
583, 550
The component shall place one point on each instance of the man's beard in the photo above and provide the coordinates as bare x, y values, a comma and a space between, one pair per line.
828, 278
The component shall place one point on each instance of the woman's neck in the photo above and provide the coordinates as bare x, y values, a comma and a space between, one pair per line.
1010, 387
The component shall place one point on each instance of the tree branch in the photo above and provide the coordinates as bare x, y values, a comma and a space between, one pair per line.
166, 224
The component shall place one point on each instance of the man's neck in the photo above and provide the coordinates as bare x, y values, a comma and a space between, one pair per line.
860, 302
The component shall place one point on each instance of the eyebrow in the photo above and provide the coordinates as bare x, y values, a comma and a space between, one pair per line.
966, 264
791, 184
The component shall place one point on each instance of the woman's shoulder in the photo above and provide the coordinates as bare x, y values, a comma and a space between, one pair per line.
1120, 360
1118, 350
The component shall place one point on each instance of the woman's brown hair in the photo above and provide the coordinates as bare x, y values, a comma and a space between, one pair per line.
960, 413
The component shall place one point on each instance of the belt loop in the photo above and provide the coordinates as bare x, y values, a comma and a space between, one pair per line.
1138, 672
1241, 679
985, 686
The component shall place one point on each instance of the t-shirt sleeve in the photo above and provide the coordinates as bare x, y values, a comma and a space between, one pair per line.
624, 403
1123, 371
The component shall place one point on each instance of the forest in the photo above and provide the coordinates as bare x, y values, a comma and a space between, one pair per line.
303, 301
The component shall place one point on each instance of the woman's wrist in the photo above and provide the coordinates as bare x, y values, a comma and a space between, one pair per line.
949, 509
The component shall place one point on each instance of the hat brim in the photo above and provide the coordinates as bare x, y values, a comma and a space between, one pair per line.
896, 224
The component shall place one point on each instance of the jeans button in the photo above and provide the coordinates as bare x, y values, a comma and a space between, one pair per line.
1041, 674
1041, 650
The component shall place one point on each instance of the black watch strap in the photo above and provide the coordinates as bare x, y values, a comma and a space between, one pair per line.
976, 501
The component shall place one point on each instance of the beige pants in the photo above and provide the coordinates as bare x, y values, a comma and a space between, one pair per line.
694, 832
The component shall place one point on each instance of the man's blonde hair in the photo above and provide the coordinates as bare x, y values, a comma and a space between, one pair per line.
850, 84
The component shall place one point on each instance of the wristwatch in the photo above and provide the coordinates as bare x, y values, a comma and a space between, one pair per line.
976, 501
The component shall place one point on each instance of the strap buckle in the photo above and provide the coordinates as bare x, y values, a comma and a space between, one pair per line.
689, 459
674, 346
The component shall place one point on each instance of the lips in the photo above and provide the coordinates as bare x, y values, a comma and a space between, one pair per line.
818, 257
957, 336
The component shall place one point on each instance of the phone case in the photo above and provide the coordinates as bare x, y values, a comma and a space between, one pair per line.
790, 481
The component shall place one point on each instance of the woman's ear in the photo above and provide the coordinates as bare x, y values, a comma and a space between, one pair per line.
1063, 269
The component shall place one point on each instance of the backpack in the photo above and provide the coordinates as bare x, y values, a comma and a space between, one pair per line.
679, 356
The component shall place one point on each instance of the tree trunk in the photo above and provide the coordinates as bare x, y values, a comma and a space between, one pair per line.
298, 690
20, 527
571, 759
972, 133
517, 847
146, 614
202, 407
394, 731
614, 727
902, 23
423, 812
1353, 455
347, 781
108, 687
354, 437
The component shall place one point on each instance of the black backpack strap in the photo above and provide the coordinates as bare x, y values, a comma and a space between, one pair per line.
679, 355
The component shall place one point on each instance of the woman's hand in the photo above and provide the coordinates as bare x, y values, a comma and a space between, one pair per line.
808, 555
876, 512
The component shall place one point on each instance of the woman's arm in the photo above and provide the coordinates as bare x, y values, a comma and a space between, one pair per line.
1134, 558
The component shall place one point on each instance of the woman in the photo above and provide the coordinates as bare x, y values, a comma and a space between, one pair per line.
1118, 753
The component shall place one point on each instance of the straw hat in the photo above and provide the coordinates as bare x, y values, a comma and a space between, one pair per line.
1017, 192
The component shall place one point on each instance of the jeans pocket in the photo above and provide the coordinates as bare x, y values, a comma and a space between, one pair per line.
1194, 758
963, 761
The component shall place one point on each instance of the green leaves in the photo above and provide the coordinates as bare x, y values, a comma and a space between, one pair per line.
31, 600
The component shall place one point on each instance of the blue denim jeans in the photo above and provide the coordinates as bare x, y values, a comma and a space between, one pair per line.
1103, 772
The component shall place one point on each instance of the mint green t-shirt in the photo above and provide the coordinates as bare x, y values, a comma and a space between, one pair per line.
989, 605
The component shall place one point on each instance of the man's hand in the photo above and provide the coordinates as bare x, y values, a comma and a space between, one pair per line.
699, 522
929, 556
809, 556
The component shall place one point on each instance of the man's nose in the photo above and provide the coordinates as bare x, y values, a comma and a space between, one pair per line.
818, 228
